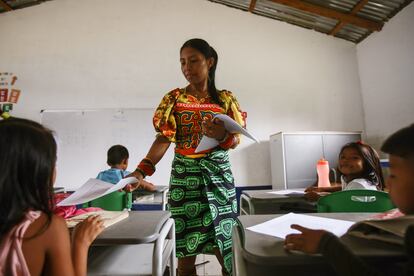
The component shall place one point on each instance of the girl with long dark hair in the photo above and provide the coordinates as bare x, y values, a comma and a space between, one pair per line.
34, 241
360, 168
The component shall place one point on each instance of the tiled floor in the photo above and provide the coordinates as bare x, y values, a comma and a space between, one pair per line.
212, 268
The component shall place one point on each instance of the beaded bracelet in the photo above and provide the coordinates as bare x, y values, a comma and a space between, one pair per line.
146, 167
228, 142
226, 135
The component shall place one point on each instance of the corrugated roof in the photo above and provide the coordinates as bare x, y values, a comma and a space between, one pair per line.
352, 20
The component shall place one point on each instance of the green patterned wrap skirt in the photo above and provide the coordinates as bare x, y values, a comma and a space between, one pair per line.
203, 204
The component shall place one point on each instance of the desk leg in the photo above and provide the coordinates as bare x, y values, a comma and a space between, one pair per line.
245, 199
158, 264
164, 199
171, 236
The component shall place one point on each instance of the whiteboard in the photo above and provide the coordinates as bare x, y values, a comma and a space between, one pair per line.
84, 137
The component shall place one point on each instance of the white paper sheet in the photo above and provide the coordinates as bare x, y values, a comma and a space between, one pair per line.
95, 188
287, 192
231, 126
280, 227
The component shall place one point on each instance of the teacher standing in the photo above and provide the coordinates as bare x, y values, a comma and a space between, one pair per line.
202, 194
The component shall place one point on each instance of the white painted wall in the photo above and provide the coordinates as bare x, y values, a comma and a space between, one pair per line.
109, 54
386, 66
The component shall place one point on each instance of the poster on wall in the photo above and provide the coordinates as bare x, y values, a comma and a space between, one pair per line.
9, 93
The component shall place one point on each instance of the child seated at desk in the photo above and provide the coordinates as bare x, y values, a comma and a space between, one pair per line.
400, 147
360, 168
117, 159
34, 241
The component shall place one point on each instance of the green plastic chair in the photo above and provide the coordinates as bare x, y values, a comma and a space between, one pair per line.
116, 201
359, 201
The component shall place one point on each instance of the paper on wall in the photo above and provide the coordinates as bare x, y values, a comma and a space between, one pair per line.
231, 126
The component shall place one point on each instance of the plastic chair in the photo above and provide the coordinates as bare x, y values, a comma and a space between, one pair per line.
116, 201
362, 201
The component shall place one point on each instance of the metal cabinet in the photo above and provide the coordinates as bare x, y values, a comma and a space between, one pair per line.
294, 155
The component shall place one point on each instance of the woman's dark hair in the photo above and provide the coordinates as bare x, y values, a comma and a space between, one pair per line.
116, 154
208, 52
401, 143
27, 162
371, 166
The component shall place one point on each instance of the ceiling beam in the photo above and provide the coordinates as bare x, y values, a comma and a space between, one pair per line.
5, 6
252, 5
354, 10
322, 11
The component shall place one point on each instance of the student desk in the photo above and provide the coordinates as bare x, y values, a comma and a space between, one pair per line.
158, 203
264, 255
141, 244
261, 202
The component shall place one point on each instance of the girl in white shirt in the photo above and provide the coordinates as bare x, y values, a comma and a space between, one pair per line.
360, 167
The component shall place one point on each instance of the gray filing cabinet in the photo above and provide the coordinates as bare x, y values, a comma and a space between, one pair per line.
294, 155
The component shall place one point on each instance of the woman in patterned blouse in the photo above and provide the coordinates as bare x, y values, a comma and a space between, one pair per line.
202, 193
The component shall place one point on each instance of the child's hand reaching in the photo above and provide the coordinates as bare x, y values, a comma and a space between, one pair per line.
311, 189
86, 231
314, 196
307, 241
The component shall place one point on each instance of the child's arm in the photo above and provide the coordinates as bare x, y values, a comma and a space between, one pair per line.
333, 188
82, 237
314, 196
61, 259
58, 260
320, 241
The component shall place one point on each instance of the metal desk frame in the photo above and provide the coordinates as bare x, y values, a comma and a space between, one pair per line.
257, 254
162, 193
143, 241
254, 202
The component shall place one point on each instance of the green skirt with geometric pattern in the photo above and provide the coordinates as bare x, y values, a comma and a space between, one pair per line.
203, 204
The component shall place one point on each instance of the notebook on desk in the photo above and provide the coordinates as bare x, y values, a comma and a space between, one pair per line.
386, 230
109, 217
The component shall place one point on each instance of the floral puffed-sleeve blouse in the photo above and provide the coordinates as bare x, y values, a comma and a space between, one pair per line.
179, 117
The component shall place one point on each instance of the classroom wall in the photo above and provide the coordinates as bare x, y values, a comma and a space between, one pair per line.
386, 66
73, 54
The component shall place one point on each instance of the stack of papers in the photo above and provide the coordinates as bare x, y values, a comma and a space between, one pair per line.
288, 192
280, 226
93, 189
231, 126
145, 199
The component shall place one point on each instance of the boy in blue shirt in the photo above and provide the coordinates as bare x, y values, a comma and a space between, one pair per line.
118, 161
